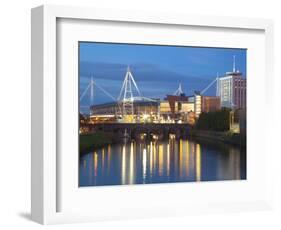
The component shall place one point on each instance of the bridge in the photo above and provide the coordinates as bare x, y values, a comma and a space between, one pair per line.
136, 130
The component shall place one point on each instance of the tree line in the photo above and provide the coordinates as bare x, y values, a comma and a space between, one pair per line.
215, 121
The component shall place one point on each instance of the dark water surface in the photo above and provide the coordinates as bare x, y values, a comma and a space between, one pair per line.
161, 162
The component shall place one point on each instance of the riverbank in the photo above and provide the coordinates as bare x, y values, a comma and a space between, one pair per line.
226, 137
88, 142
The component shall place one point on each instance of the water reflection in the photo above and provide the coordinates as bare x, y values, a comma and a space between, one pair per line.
198, 162
124, 165
144, 164
162, 161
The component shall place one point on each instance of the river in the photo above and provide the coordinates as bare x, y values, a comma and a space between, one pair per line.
172, 160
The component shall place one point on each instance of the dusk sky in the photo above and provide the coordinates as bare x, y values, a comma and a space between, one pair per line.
157, 70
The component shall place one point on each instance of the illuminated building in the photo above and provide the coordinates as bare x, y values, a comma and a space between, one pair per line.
197, 104
210, 104
231, 89
177, 108
165, 108
110, 112
175, 102
187, 107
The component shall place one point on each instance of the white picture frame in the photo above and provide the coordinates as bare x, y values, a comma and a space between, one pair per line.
45, 167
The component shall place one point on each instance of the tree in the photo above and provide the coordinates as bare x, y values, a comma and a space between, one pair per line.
215, 121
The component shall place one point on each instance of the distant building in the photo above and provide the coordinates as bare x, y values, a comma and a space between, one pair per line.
204, 103
178, 107
175, 103
187, 107
210, 104
165, 108
231, 89
111, 111
197, 103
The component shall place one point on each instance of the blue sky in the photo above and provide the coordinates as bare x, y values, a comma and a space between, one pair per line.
157, 70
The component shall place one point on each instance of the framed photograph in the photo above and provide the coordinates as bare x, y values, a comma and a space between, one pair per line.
137, 114
158, 127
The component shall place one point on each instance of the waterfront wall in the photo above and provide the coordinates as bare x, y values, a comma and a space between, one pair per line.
226, 137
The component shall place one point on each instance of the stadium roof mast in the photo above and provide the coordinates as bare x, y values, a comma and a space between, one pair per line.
179, 91
126, 96
217, 79
209, 86
92, 90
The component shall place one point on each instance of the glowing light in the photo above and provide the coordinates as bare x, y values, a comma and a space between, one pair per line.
154, 155
172, 136
95, 163
144, 164
181, 161
198, 162
155, 137
168, 159
123, 175
145, 116
160, 160
187, 157
131, 164
151, 157
103, 153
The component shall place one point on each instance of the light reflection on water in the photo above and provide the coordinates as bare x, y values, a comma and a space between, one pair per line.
161, 162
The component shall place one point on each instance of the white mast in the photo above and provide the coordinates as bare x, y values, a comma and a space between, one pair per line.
179, 91
92, 90
234, 67
126, 96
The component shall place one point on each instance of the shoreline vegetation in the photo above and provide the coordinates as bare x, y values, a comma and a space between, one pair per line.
88, 142
215, 126
227, 137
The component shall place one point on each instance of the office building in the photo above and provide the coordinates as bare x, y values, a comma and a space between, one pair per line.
231, 89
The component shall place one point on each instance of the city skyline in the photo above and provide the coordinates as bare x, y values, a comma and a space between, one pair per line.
158, 70
161, 114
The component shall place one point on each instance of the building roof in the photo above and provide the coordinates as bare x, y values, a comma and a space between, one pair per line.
111, 104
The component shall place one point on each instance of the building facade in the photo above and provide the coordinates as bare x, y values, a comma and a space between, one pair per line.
210, 104
197, 104
231, 89
112, 111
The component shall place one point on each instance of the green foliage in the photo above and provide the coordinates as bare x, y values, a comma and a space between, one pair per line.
236, 115
215, 121
88, 142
